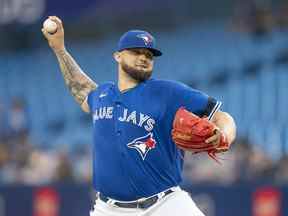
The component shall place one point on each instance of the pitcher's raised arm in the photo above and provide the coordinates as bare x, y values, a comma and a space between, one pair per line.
77, 81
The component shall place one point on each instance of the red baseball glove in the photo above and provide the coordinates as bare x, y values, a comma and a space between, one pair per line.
190, 132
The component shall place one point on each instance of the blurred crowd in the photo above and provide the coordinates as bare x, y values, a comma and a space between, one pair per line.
259, 18
24, 162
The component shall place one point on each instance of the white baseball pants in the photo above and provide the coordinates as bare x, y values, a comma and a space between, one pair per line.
174, 204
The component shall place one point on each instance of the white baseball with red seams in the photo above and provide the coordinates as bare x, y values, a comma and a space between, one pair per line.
50, 26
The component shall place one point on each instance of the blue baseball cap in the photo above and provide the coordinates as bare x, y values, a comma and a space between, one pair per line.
138, 39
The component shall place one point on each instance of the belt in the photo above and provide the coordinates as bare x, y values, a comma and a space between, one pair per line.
142, 203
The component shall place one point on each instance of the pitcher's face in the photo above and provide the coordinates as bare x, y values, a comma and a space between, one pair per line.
137, 63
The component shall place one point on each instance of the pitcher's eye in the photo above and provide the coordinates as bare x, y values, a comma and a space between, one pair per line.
149, 55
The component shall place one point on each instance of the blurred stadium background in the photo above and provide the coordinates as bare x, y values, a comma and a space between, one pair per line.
236, 51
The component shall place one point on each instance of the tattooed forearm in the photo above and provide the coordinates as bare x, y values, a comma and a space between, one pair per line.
77, 81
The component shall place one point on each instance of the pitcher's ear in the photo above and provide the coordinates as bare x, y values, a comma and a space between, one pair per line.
116, 56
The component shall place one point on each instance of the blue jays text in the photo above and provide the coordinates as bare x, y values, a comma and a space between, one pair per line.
133, 117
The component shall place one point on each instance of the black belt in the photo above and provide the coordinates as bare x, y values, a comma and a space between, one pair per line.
142, 204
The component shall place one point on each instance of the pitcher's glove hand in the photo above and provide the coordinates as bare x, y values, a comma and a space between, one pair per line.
194, 134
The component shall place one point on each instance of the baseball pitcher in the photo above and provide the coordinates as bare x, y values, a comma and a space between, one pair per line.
141, 128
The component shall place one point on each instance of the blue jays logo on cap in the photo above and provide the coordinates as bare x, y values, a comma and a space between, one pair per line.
143, 144
147, 39
138, 39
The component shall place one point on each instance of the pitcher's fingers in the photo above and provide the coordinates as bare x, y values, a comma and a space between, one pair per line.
211, 139
45, 33
55, 18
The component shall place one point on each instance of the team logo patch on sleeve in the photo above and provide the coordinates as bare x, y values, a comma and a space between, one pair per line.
143, 144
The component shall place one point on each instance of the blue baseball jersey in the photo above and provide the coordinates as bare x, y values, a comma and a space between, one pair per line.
134, 155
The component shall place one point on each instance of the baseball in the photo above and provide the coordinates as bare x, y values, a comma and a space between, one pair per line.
50, 26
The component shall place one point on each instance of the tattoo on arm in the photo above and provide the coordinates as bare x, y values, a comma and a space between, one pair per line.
77, 81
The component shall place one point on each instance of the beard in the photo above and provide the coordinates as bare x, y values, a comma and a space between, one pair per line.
138, 75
